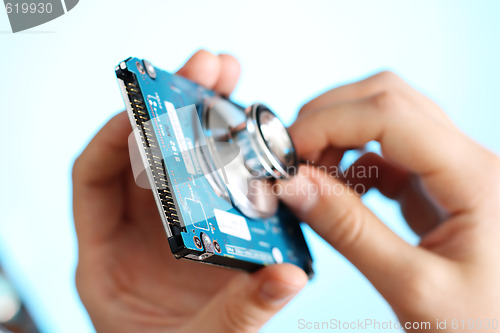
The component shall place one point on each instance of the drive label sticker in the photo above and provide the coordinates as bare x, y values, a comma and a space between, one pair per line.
179, 135
232, 224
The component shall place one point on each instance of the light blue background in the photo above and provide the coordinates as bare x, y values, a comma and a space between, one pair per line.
57, 87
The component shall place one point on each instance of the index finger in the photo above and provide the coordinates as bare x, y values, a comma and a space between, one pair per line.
445, 159
217, 72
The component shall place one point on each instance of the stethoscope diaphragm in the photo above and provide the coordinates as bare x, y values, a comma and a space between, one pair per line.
248, 149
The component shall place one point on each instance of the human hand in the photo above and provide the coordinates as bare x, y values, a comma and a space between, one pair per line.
448, 188
127, 277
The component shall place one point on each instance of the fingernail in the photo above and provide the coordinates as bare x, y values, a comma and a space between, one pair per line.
299, 193
276, 292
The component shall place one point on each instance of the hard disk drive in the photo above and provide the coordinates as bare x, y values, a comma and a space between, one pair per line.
211, 164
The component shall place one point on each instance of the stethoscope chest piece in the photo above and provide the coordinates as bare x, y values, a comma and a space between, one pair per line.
248, 149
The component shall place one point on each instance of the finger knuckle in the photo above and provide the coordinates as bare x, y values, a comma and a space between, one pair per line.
347, 229
387, 78
387, 102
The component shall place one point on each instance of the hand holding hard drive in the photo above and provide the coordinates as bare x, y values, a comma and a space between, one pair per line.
126, 276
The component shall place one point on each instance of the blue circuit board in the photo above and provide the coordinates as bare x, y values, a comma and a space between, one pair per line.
167, 109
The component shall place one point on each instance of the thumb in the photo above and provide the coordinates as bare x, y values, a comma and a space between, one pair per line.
250, 300
338, 215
